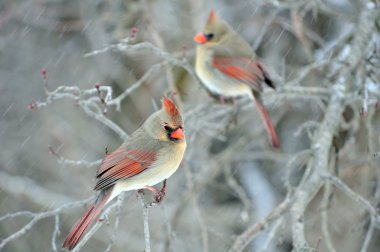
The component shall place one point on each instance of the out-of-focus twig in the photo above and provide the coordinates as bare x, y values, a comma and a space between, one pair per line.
117, 100
325, 218
194, 198
116, 204
323, 138
87, 100
36, 217
239, 191
246, 237
368, 237
146, 221
124, 45
354, 196
56, 233
17, 185
272, 234
81, 163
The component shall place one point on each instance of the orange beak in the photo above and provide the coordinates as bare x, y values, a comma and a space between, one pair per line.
200, 38
178, 134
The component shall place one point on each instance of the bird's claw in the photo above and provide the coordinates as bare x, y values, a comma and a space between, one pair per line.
159, 196
138, 192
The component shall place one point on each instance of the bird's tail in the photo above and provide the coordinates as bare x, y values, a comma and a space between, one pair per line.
91, 214
267, 122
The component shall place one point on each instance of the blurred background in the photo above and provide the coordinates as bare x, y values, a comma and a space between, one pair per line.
230, 178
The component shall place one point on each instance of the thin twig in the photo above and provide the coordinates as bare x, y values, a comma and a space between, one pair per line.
272, 234
353, 195
36, 217
117, 101
17, 214
194, 198
247, 236
98, 224
170, 235
368, 236
56, 233
120, 201
124, 45
146, 221
239, 191
26, 187
324, 216
81, 163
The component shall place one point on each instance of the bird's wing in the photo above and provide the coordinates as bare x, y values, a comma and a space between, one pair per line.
123, 163
243, 69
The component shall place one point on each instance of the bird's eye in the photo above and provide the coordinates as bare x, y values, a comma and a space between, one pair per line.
167, 128
209, 36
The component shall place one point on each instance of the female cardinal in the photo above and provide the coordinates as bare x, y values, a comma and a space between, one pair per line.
150, 155
228, 67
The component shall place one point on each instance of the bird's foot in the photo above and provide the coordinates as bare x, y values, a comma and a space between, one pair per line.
158, 194
233, 118
139, 191
221, 99
158, 197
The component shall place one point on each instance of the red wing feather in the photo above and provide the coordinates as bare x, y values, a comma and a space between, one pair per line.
122, 164
242, 69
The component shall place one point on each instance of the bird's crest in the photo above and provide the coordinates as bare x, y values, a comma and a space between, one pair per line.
170, 107
212, 16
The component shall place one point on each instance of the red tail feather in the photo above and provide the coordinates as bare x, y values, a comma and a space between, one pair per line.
267, 123
91, 214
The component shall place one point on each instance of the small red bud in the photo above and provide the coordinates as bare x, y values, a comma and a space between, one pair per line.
97, 85
134, 30
51, 151
31, 106
44, 73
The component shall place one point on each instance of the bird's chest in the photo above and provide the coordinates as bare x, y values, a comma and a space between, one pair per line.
216, 81
167, 164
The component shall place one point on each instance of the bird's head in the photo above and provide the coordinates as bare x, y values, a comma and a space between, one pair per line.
166, 124
214, 31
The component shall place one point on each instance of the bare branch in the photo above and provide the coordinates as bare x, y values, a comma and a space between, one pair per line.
85, 100
117, 101
124, 45
119, 203
194, 198
98, 115
56, 233
356, 197
146, 221
36, 217
98, 224
64, 161
247, 236
324, 216
26, 187
239, 191
272, 234
368, 236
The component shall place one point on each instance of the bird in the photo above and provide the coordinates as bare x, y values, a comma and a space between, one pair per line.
228, 67
149, 156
